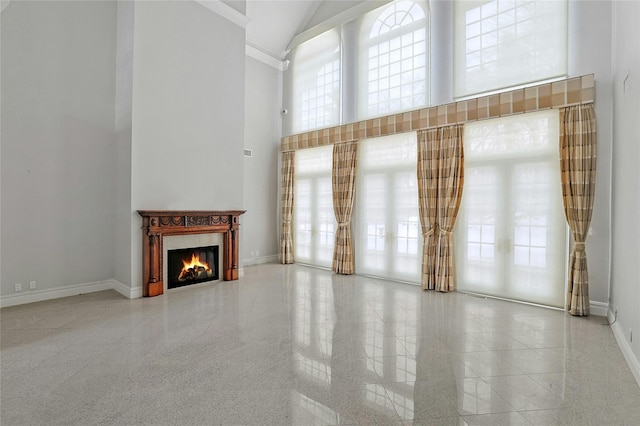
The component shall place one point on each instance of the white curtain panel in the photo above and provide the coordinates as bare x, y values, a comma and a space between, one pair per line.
505, 43
388, 237
316, 72
314, 222
511, 233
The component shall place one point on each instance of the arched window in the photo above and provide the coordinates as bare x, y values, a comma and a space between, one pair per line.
393, 61
316, 83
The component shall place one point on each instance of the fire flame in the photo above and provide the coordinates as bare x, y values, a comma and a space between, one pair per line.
195, 269
195, 262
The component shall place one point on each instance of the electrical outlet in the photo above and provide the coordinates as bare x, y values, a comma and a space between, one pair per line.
32, 285
18, 287
257, 253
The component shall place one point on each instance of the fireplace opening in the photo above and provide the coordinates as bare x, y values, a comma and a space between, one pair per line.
192, 266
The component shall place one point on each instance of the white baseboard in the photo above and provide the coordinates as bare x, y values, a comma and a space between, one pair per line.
623, 343
126, 291
260, 260
74, 290
55, 293
598, 308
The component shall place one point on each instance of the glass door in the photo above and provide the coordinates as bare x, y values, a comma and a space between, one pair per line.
511, 232
480, 230
389, 240
314, 220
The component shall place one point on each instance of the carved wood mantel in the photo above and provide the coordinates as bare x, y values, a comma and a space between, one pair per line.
158, 223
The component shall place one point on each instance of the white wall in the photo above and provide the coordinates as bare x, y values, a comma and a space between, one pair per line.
124, 104
179, 80
259, 231
2, 7
441, 51
590, 52
238, 5
58, 79
625, 275
187, 115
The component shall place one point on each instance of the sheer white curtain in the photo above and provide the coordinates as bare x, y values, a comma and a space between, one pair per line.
505, 43
314, 220
511, 233
316, 82
388, 236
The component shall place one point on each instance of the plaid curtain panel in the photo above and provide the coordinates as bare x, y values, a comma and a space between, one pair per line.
343, 181
578, 173
450, 183
440, 182
428, 148
286, 232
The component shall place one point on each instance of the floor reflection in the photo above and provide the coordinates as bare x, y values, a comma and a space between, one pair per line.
306, 410
379, 350
288, 344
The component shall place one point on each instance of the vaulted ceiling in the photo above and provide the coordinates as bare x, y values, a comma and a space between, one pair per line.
274, 23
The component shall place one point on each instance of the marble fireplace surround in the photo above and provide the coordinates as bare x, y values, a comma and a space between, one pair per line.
157, 224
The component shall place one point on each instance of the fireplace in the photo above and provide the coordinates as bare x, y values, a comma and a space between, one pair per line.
158, 224
192, 266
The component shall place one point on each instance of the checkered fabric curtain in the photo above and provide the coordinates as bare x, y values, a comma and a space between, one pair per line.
428, 148
440, 182
343, 180
578, 173
286, 232
450, 182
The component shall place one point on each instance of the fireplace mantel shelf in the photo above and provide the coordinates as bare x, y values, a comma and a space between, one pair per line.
158, 223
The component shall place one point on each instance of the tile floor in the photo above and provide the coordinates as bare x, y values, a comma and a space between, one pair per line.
295, 345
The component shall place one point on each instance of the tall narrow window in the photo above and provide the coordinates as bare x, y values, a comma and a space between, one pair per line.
511, 233
314, 221
388, 241
504, 43
393, 59
316, 74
